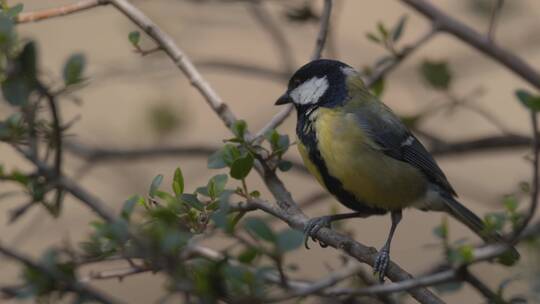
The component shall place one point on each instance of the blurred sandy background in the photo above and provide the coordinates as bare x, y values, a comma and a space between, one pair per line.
125, 88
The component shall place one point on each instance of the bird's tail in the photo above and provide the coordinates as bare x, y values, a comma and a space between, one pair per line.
471, 220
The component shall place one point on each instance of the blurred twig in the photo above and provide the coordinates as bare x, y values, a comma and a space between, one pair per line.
495, 13
67, 9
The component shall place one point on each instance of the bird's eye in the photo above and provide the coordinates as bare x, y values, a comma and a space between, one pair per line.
295, 82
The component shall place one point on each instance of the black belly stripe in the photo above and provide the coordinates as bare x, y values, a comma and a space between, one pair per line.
334, 186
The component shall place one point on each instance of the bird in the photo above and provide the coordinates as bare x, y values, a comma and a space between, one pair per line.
365, 156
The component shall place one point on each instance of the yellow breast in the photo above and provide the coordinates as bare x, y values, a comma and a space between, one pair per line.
367, 173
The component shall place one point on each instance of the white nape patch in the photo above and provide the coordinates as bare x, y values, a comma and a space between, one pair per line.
310, 91
409, 141
348, 71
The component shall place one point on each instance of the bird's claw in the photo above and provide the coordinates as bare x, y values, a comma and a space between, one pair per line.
313, 226
381, 264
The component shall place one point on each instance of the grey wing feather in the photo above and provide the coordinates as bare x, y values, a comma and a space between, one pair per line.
396, 141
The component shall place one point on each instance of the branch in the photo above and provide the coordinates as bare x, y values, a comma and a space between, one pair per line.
494, 18
466, 34
70, 284
59, 11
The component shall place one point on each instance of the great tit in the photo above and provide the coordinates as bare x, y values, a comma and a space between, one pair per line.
362, 153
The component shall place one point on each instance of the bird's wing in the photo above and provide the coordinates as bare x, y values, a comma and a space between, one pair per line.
393, 138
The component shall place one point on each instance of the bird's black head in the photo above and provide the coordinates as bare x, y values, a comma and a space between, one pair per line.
318, 83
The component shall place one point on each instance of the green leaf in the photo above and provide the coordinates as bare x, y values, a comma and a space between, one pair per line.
178, 182
248, 255
16, 91
156, 182
289, 239
241, 167
285, 165
378, 87
28, 61
373, 37
382, 30
532, 102
441, 231
510, 203
398, 28
259, 228
129, 206
192, 200
216, 185
216, 160
15, 10
467, 253
73, 69
254, 193
134, 37
230, 154
239, 128
494, 221
437, 74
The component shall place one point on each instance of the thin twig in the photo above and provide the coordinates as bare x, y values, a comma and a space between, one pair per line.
495, 13
263, 17
63, 10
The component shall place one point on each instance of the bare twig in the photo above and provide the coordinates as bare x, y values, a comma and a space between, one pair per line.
495, 13
463, 32
68, 281
482, 288
264, 18
59, 11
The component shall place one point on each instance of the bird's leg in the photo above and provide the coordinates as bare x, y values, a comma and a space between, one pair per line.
383, 257
315, 224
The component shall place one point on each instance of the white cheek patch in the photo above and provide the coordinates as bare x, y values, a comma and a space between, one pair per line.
310, 91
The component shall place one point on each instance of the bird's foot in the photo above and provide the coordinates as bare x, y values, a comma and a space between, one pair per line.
313, 226
381, 263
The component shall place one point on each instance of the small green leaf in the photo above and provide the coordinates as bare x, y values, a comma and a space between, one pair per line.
178, 182
239, 128
255, 194
156, 182
15, 10
285, 165
373, 37
216, 185
259, 228
16, 91
378, 87
437, 74
73, 69
510, 203
129, 206
441, 231
289, 239
134, 37
248, 255
467, 253
241, 167
382, 30
216, 160
192, 200
532, 102
398, 28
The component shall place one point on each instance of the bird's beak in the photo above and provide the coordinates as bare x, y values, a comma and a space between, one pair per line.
284, 99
